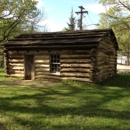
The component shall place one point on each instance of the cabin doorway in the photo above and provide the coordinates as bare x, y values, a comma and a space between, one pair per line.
29, 67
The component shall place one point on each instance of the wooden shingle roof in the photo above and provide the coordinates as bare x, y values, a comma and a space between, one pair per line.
70, 38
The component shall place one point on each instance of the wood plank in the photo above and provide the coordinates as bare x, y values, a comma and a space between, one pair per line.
101, 53
76, 65
66, 74
38, 57
11, 71
16, 64
75, 70
47, 73
42, 69
80, 60
16, 75
42, 61
17, 67
64, 78
75, 56
16, 60
16, 56
48, 77
12, 52
45, 53
42, 65
52, 46
77, 74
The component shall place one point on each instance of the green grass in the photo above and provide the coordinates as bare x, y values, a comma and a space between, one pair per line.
67, 105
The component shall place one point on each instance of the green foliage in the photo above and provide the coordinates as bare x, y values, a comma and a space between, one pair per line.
16, 16
117, 17
67, 105
1, 57
71, 24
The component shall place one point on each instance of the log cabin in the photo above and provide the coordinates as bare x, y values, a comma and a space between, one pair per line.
87, 55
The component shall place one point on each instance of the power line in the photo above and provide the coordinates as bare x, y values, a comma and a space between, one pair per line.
87, 23
81, 12
90, 19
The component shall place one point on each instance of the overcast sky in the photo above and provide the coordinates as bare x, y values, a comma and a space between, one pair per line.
58, 12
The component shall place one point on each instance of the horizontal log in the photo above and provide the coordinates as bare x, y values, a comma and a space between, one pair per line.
55, 46
102, 58
107, 51
16, 75
106, 47
77, 74
16, 64
17, 68
64, 78
75, 56
105, 70
48, 77
106, 43
102, 74
66, 74
47, 73
42, 61
75, 70
16, 57
75, 61
103, 63
38, 57
77, 65
50, 51
42, 69
105, 66
112, 66
113, 56
16, 60
42, 65
101, 53
13, 52
11, 71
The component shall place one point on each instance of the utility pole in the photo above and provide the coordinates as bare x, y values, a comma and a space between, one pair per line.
81, 12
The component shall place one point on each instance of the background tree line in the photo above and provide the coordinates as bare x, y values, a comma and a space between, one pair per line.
22, 16
16, 17
117, 17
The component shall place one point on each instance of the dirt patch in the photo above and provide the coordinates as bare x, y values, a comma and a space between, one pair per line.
27, 83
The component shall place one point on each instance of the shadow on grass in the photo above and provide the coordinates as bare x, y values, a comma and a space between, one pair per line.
78, 100
2, 126
119, 80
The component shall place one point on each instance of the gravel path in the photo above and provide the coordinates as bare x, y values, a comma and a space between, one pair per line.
123, 68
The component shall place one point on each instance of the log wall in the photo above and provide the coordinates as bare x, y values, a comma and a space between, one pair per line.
106, 60
14, 63
75, 64
90, 65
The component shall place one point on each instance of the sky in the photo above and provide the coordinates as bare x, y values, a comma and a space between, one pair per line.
58, 13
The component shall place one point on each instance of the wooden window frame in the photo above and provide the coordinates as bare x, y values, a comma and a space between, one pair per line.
54, 63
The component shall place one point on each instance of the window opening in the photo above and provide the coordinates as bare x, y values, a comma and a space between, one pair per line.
54, 63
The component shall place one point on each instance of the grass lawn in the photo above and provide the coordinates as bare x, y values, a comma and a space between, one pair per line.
67, 105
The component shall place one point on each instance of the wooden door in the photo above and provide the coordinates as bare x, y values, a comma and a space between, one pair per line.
29, 67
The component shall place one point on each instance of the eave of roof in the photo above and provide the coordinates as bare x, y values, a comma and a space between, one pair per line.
52, 38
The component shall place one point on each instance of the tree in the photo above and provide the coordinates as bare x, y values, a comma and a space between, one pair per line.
17, 16
71, 24
117, 17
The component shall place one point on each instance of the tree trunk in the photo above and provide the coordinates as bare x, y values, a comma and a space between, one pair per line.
128, 58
